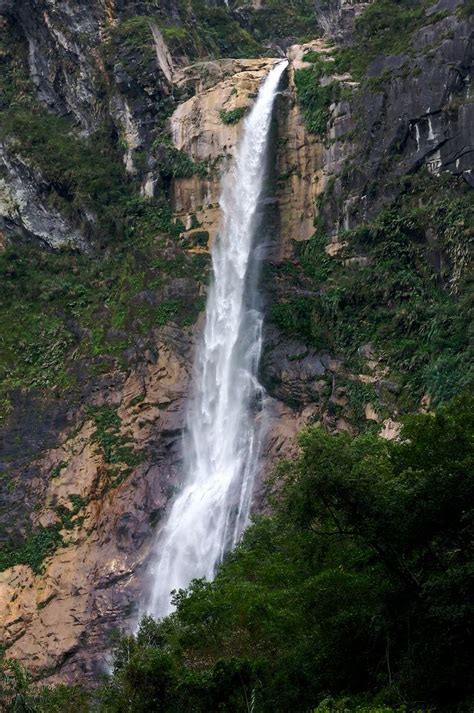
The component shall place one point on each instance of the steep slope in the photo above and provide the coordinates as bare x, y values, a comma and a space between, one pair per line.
117, 120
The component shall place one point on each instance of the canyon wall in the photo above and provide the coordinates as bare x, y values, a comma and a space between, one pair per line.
91, 457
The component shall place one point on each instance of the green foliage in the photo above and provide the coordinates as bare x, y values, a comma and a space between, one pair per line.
120, 458
32, 350
85, 175
69, 307
68, 515
19, 694
199, 238
293, 316
314, 97
134, 32
356, 586
42, 542
277, 19
410, 295
33, 550
466, 9
174, 36
384, 28
354, 596
177, 164
360, 394
314, 260
220, 34
115, 446
6, 408
166, 311
131, 43
212, 30
56, 471
83, 172
232, 116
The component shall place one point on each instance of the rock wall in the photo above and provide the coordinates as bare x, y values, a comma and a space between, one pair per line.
198, 129
415, 110
300, 162
57, 619
80, 69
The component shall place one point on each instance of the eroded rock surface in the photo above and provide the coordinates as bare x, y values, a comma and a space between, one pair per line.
199, 129
59, 619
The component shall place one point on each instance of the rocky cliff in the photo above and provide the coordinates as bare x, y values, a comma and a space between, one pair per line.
117, 121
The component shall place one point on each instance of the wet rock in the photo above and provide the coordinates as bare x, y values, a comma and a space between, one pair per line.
198, 129
300, 177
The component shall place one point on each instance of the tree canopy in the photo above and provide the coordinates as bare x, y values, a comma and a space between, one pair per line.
355, 594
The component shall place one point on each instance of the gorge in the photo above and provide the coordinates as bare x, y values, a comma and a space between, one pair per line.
228, 231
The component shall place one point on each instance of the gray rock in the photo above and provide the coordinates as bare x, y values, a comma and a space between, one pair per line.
290, 370
418, 110
25, 210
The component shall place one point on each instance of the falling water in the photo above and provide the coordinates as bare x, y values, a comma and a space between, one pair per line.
224, 429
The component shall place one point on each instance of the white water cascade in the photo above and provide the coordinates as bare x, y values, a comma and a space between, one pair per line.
221, 447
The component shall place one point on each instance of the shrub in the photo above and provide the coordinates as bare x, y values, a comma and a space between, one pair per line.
232, 116
314, 97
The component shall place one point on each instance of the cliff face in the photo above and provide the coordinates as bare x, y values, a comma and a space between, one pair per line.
114, 112
108, 484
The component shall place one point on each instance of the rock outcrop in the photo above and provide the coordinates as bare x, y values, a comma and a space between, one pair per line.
58, 620
82, 71
199, 128
26, 210
415, 111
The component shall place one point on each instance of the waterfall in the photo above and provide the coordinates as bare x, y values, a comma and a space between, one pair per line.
221, 446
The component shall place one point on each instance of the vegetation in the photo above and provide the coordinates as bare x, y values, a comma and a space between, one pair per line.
354, 595
42, 541
213, 31
116, 447
291, 19
19, 695
83, 174
232, 116
386, 27
407, 293
175, 163
220, 33
119, 456
314, 97
69, 307
33, 550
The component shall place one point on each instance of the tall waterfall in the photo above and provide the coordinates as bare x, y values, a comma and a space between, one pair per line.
224, 429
